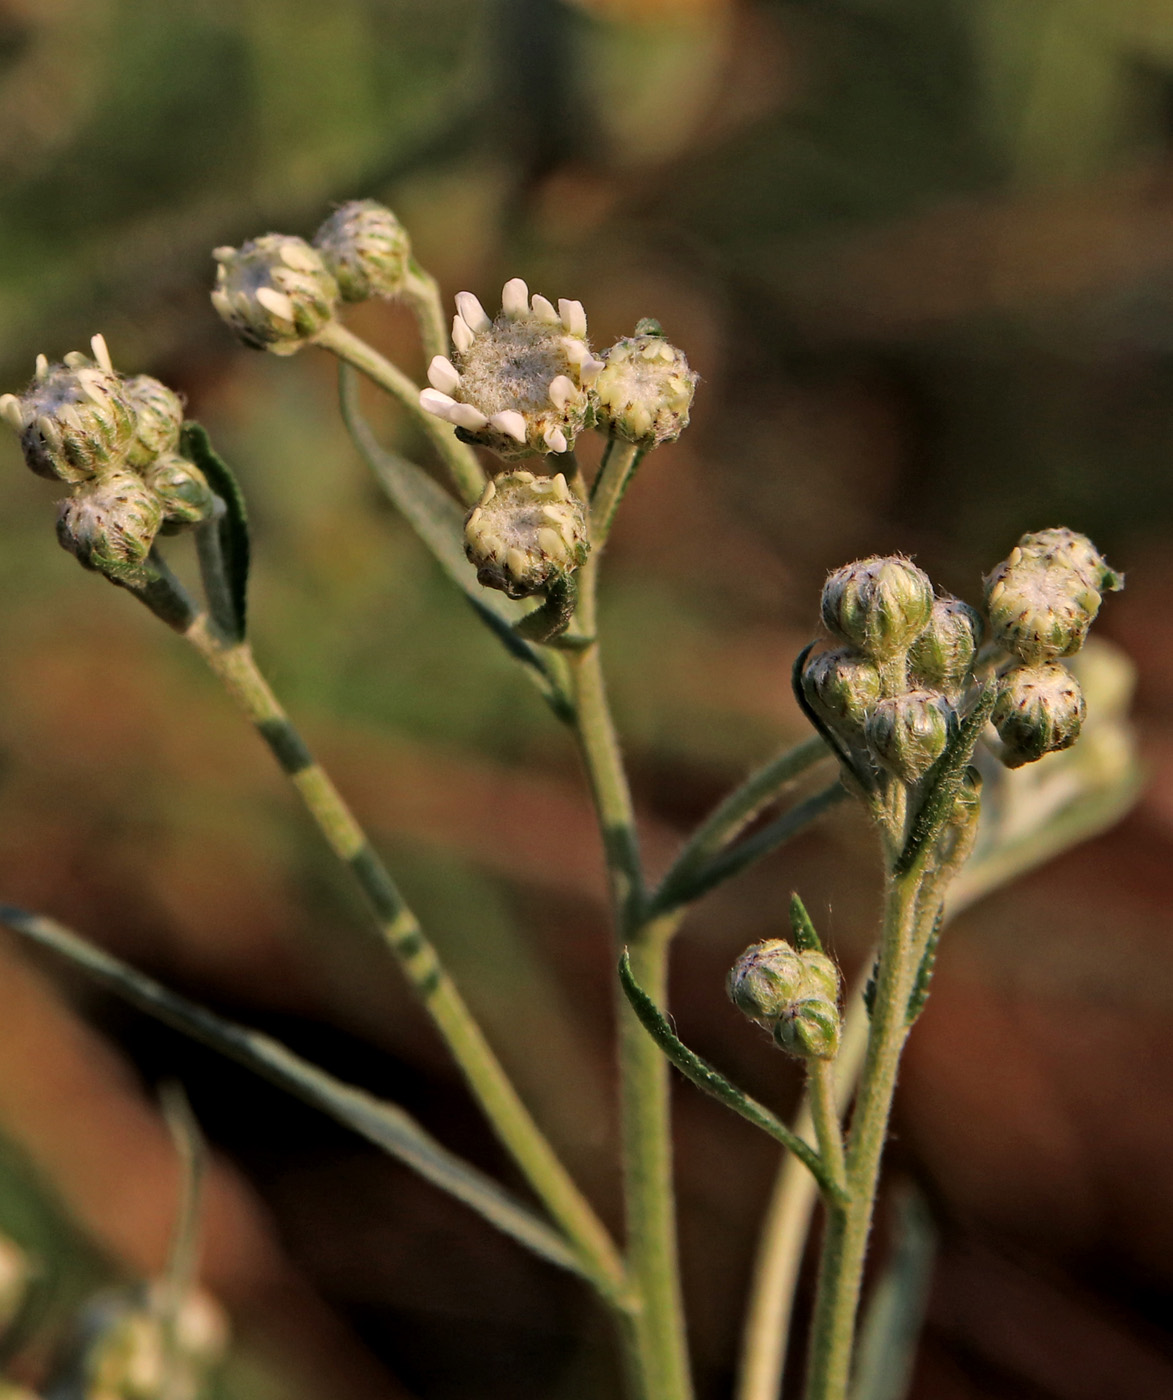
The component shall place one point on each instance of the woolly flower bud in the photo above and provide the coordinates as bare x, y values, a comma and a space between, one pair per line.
1043, 598
519, 384
822, 978
908, 733
275, 292
158, 419
810, 1029
182, 491
767, 980
1039, 710
645, 390
942, 655
880, 605
74, 420
525, 532
842, 686
110, 524
366, 248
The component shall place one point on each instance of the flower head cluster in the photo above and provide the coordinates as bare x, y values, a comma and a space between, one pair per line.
525, 533
518, 384
645, 389
794, 994
115, 441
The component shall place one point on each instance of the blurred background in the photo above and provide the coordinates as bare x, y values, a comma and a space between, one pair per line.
921, 252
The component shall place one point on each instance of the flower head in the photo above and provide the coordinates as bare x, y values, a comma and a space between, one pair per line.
525, 532
366, 248
158, 418
645, 389
110, 524
519, 384
275, 292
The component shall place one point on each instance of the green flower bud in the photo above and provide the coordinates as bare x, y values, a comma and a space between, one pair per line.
941, 657
645, 390
74, 420
366, 248
821, 978
158, 419
1039, 710
842, 686
275, 292
519, 385
182, 491
525, 532
110, 525
908, 733
766, 980
810, 1029
1043, 598
879, 605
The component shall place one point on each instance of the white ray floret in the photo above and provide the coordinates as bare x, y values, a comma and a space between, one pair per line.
510, 421
464, 415
462, 337
544, 309
42, 366
472, 312
515, 297
434, 401
555, 439
275, 302
442, 375
573, 316
10, 411
561, 390
102, 352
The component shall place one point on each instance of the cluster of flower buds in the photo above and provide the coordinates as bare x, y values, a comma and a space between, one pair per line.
794, 994
115, 441
1041, 600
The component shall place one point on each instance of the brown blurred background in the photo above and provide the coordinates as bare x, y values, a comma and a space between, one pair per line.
921, 252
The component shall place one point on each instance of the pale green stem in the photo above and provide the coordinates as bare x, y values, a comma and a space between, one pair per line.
458, 457
620, 459
421, 292
846, 1237
401, 934
825, 1116
659, 1368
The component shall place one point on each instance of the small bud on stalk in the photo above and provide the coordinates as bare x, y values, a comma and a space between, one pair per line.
1043, 598
182, 490
645, 390
878, 605
1039, 710
110, 525
525, 533
518, 385
941, 657
367, 250
908, 733
810, 1029
275, 292
158, 418
74, 420
767, 980
842, 686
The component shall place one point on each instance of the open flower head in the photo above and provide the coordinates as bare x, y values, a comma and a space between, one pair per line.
75, 419
275, 292
520, 384
525, 533
645, 390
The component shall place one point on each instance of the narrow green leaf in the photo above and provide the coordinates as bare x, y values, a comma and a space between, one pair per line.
806, 939
384, 1124
705, 1077
232, 535
944, 782
924, 973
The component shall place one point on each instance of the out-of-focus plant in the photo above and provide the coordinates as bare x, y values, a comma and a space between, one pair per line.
928, 707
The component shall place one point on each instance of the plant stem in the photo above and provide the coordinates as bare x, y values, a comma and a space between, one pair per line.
620, 460
422, 294
661, 1362
825, 1115
845, 1241
401, 934
458, 458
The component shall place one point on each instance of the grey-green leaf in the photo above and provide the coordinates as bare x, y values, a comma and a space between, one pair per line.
232, 526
